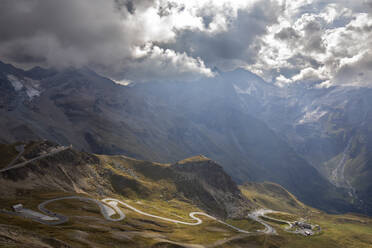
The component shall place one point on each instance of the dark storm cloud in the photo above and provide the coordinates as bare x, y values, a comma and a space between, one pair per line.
159, 39
67, 30
237, 45
102, 34
117, 34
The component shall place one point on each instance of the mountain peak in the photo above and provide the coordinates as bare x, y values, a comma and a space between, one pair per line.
8, 68
208, 171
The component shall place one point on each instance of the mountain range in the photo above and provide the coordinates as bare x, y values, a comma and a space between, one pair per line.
313, 141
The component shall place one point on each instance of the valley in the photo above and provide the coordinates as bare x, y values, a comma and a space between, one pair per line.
103, 137
151, 205
165, 122
185, 124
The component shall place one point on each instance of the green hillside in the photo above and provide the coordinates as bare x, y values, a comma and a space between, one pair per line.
172, 191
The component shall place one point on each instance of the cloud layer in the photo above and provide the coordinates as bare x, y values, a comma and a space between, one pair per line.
328, 42
319, 41
116, 37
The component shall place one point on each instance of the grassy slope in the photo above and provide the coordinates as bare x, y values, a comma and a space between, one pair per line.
7, 154
136, 230
155, 195
272, 196
348, 230
144, 185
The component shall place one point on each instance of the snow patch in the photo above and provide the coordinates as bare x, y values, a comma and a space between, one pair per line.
16, 83
312, 116
32, 92
29, 85
123, 82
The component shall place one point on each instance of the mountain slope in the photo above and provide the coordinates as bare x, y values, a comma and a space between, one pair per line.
167, 190
328, 127
160, 122
272, 196
250, 150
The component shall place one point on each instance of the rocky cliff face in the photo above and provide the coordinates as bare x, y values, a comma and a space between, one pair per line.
161, 122
328, 127
208, 185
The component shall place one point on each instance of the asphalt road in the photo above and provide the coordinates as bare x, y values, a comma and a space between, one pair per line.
63, 219
110, 206
269, 229
192, 215
113, 204
34, 159
255, 215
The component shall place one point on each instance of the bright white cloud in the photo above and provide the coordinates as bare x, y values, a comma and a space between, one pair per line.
141, 40
318, 41
165, 64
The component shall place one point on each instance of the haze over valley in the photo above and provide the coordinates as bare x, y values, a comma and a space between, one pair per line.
185, 123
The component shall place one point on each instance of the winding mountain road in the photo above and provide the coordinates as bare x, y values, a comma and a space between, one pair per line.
62, 219
111, 205
192, 215
255, 215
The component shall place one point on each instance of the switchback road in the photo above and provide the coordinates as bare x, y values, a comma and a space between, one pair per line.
110, 206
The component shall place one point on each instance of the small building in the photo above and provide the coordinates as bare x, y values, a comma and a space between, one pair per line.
18, 207
303, 225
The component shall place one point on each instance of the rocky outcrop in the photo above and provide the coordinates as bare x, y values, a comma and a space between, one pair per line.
206, 183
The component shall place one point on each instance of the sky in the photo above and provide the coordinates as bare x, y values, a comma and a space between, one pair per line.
285, 42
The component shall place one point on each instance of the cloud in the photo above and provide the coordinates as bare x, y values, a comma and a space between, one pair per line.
134, 40
146, 40
319, 41
105, 35
229, 37
287, 34
155, 63
356, 71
